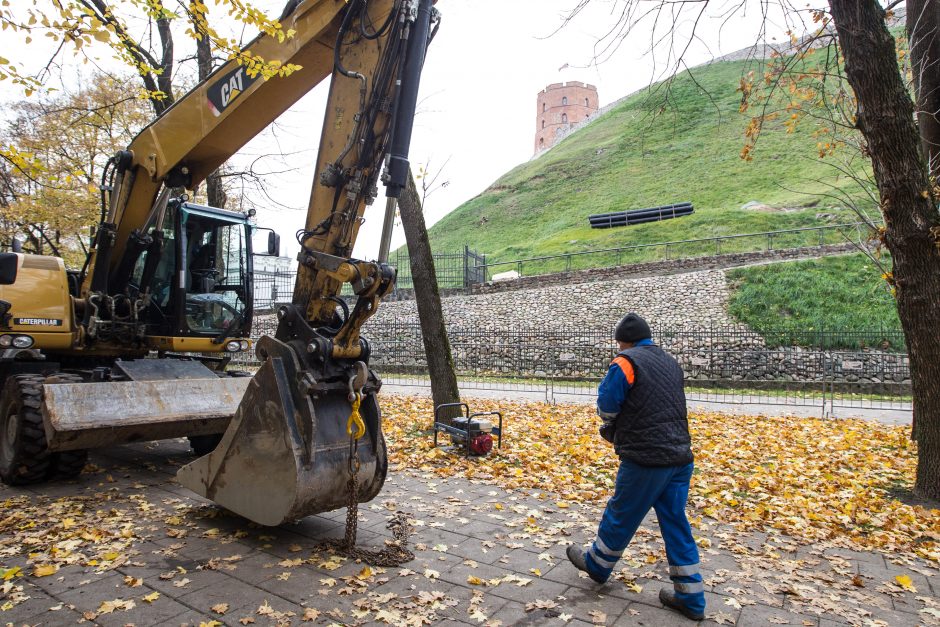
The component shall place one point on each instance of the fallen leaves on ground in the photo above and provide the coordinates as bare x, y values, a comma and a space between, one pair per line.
812, 479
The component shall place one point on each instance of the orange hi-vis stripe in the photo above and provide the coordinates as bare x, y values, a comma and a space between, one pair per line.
627, 368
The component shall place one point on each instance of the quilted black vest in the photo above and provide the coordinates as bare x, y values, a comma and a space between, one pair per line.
652, 426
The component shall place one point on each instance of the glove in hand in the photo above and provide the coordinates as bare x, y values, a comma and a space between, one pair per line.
607, 431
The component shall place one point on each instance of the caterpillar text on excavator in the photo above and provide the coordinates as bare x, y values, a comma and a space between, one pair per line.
104, 355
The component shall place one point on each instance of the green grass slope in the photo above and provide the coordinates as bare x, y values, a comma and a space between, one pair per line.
843, 294
642, 155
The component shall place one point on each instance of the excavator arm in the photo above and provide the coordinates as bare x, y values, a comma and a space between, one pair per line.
372, 50
307, 435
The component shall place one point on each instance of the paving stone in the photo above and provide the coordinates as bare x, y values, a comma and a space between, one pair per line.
67, 578
567, 574
37, 604
64, 616
514, 614
302, 584
480, 529
161, 611
538, 588
909, 616
90, 595
579, 603
522, 562
709, 563
489, 606
198, 579
650, 616
256, 567
189, 618
761, 615
405, 586
432, 536
458, 573
226, 590
648, 595
471, 548
716, 603
234, 615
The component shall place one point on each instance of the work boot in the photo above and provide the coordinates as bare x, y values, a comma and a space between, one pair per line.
576, 557
668, 598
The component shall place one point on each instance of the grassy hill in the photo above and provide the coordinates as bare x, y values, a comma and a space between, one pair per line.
643, 153
844, 294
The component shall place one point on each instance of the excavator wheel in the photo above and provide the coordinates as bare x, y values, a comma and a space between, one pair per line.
204, 444
66, 464
24, 456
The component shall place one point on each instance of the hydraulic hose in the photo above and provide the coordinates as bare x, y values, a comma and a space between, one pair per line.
398, 167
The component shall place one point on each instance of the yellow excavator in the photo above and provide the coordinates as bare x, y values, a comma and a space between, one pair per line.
134, 346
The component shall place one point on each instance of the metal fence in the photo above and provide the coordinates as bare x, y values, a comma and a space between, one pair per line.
721, 365
454, 271
682, 249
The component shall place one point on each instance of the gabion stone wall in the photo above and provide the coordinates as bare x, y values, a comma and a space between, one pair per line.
695, 300
567, 331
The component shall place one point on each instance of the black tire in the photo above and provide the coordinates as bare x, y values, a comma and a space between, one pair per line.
204, 444
24, 455
66, 464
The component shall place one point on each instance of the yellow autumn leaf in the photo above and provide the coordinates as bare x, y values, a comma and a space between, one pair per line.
150, 598
474, 581
45, 570
841, 467
365, 573
905, 582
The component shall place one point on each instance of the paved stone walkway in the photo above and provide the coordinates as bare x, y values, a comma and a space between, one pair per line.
154, 554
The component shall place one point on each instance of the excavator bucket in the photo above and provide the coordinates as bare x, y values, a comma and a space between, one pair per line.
286, 453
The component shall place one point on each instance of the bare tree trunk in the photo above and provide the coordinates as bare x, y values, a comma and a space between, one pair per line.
912, 222
923, 30
428, 298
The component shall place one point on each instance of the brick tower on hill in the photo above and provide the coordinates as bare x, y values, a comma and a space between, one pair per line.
560, 105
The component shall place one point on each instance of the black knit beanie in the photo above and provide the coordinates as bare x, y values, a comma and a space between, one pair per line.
632, 328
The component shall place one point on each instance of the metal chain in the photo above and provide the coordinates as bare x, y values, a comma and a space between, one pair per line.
396, 552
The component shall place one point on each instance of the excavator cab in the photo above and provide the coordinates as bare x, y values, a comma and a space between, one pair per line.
198, 279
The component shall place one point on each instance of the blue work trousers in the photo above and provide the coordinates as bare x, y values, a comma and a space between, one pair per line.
666, 490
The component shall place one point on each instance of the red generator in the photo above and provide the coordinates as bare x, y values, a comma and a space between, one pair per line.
470, 432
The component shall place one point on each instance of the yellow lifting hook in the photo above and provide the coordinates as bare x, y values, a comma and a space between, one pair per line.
355, 420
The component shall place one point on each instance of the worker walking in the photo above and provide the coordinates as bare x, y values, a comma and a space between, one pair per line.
641, 402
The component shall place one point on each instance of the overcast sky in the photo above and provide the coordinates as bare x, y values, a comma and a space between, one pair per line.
477, 106
477, 109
